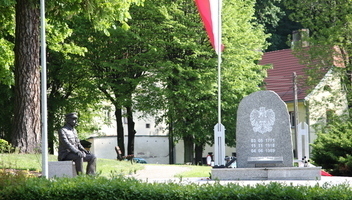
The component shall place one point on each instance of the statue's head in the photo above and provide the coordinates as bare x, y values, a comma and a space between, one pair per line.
71, 118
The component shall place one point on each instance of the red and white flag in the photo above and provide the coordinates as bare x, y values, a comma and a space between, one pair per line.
210, 12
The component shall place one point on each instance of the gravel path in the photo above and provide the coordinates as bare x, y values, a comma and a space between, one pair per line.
159, 172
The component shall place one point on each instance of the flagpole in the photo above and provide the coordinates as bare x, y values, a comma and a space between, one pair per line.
44, 94
210, 12
219, 62
219, 129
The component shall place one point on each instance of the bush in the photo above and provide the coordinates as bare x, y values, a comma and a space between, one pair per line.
92, 187
333, 148
5, 147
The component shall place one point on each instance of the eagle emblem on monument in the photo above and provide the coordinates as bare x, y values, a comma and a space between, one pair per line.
262, 120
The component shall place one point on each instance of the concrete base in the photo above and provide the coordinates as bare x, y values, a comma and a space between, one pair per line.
274, 173
62, 169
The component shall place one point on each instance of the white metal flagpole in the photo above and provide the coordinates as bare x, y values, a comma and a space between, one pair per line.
219, 61
219, 129
44, 94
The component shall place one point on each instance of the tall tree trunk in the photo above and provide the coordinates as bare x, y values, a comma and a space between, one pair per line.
26, 132
198, 153
188, 147
131, 131
120, 134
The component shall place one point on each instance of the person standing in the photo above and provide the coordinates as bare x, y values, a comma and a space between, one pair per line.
70, 147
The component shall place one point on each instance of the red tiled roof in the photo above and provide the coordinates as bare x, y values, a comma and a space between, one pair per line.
280, 77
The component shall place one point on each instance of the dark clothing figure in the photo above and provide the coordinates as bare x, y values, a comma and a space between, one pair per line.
70, 147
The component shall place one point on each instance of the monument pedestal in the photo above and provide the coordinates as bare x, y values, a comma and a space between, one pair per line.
273, 173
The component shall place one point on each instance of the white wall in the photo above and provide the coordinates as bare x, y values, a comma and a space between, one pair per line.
143, 126
154, 149
104, 147
327, 95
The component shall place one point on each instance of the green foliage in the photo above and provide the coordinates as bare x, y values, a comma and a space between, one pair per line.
103, 14
244, 42
274, 16
8, 177
268, 12
6, 117
90, 187
183, 80
5, 147
58, 13
6, 67
333, 147
330, 25
6, 62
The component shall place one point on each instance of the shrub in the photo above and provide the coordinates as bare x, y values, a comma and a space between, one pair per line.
333, 148
5, 147
95, 187
13, 177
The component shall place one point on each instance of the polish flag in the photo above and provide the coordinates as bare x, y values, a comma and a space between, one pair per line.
210, 11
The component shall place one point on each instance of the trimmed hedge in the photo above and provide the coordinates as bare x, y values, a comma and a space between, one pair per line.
91, 187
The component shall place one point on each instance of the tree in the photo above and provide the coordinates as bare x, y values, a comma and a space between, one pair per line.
329, 24
26, 133
274, 16
269, 13
186, 84
183, 82
70, 90
330, 43
245, 42
116, 72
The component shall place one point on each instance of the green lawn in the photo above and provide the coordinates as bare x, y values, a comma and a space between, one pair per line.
33, 162
105, 167
196, 171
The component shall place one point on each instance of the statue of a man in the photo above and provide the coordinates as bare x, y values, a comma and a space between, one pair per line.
70, 147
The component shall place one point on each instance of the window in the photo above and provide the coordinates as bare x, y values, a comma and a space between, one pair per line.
147, 125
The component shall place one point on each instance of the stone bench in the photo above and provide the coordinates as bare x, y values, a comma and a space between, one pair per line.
265, 161
61, 169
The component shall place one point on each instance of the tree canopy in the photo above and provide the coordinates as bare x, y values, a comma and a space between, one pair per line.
24, 60
330, 43
329, 25
185, 87
161, 63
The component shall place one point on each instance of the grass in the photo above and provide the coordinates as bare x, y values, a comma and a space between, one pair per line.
33, 162
196, 171
30, 162
105, 167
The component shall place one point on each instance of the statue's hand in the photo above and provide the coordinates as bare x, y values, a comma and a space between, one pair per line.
81, 154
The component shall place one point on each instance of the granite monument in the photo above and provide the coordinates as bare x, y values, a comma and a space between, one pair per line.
263, 133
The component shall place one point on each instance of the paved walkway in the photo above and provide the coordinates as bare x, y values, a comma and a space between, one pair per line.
166, 173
